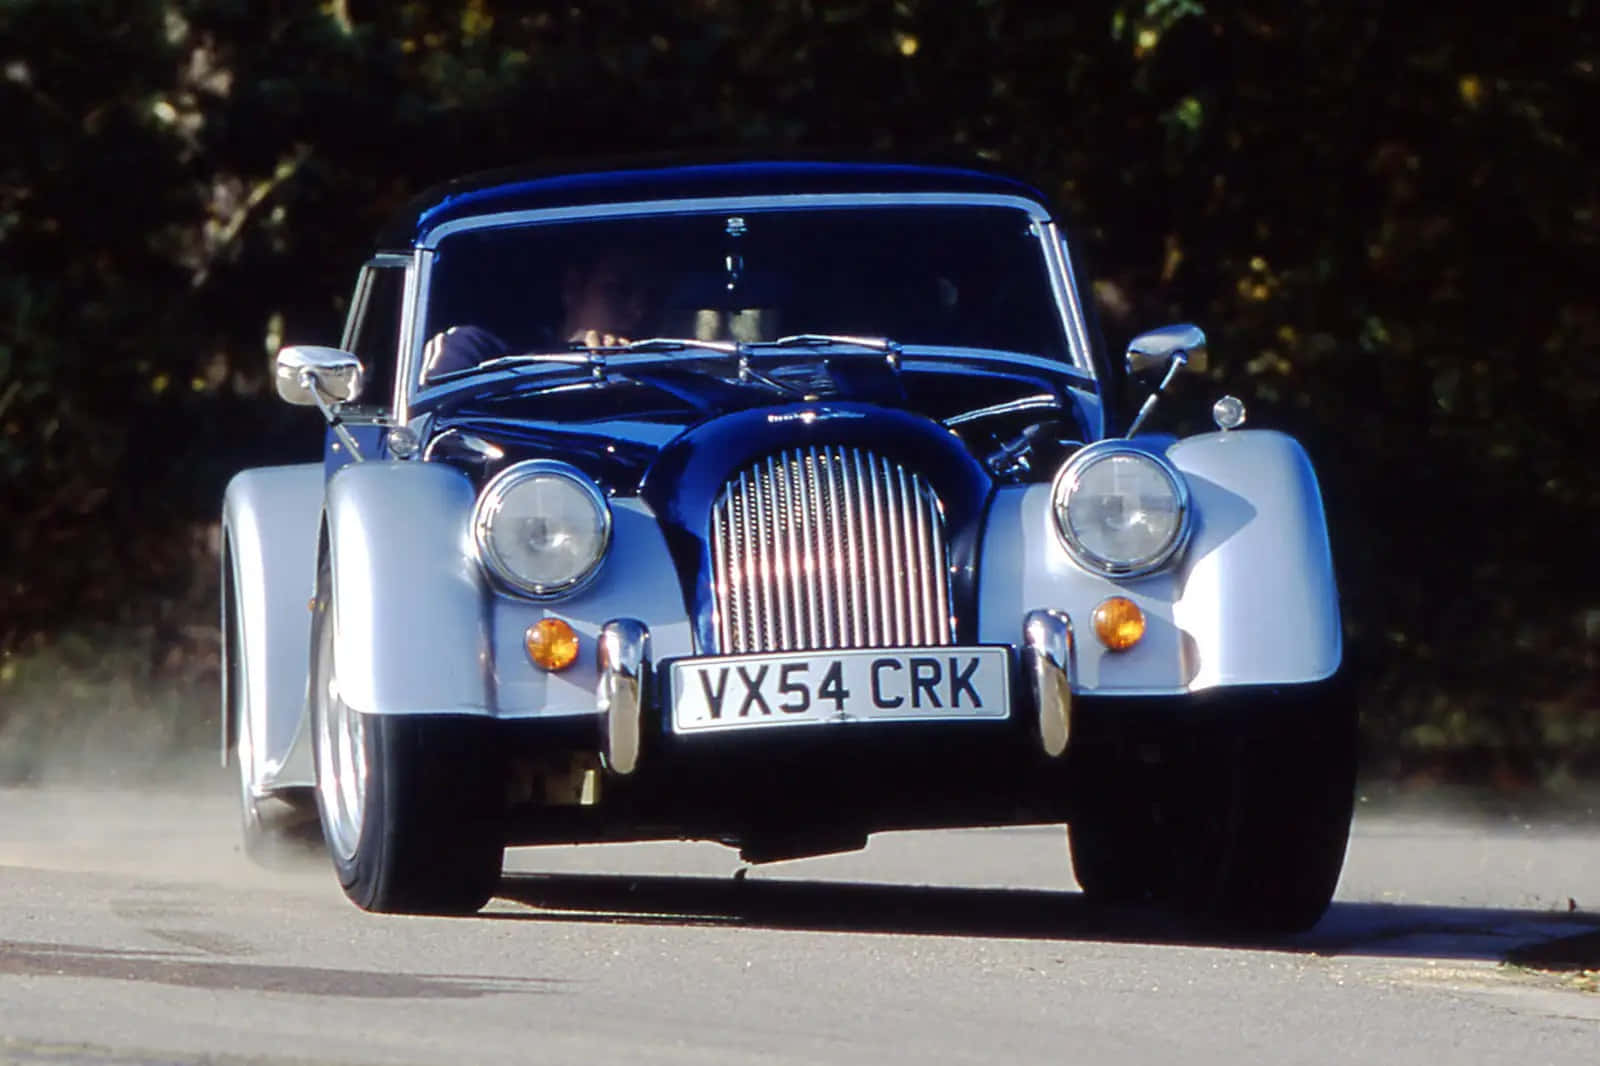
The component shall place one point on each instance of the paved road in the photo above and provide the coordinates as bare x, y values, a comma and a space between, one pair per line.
133, 932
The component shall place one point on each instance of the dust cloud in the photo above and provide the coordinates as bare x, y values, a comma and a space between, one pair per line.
125, 789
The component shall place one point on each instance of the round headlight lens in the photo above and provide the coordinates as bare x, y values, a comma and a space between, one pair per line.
542, 527
1120, 510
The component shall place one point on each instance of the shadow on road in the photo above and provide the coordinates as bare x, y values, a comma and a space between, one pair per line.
1380, 929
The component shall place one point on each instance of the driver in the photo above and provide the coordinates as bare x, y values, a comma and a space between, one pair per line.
608, 299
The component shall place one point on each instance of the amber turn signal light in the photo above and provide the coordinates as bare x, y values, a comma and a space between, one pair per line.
551, 644
1119, 623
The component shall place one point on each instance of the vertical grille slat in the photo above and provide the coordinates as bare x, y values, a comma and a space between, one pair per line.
883, 564
939, 563
847, 569
756, 572
922, 594
726, 576
829, 547
818, 607
861, 519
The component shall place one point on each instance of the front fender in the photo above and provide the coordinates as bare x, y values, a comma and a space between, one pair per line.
269, 520
1259, 586
411, 617
1251, 601
419, 630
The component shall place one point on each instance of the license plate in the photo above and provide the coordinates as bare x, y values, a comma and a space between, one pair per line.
903, 684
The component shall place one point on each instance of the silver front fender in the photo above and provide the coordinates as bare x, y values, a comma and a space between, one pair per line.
1251, 601
412, 614
269, 523
1258, 589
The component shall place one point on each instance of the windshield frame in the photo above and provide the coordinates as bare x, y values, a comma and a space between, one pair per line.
1058, 265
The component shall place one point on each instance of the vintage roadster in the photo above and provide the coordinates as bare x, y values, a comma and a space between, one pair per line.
776, 504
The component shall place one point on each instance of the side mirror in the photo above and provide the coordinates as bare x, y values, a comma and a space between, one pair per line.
1156, 348
335, 374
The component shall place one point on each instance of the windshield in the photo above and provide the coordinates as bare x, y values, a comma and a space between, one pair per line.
963, 276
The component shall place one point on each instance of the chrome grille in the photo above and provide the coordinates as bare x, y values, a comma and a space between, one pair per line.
829, 547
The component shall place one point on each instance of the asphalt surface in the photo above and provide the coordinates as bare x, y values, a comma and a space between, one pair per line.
133, 931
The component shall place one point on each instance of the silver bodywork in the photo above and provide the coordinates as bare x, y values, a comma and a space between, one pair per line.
270, 517
1251, 601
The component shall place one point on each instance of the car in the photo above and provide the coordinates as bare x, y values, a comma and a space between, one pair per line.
776, 503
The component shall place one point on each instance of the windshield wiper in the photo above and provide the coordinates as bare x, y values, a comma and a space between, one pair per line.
675, 344
591, 357
738, 351
509, 362
825, 340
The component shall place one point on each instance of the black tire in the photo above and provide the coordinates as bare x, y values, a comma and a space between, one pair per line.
429, 837
1119, 852
1248, 827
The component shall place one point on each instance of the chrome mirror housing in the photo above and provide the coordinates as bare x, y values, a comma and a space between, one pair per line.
1154, 349
302, 367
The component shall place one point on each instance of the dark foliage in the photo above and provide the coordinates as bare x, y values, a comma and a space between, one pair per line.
1385, 217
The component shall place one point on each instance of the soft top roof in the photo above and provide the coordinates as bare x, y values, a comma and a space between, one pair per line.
527, 189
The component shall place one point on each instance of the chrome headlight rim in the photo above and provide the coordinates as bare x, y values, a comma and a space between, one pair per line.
1065, 483
488, 506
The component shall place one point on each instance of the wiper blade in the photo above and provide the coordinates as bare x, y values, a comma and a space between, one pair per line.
735, 350
825, 340
593, 357
508, 362
675, 344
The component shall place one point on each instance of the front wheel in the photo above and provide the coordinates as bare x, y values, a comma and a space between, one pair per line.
409, 804
1248, 825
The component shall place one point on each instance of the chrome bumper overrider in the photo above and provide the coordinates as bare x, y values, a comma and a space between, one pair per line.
1047, 655
624, 661
624, 658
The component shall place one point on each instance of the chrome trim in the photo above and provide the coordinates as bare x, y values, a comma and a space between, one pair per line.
358, 306
1071, 301
1228, 413
483, 520
1179, 347
1154, 349
409, 365
623, 654
697, 205
307, 374
600, 364
1087, 559
312, 384
1026, 403
326, 377
1048, 655
405, 367
470, 441
826, 547
356, 316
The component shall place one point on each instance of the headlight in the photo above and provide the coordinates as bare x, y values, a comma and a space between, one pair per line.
542, 528
1119, 510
